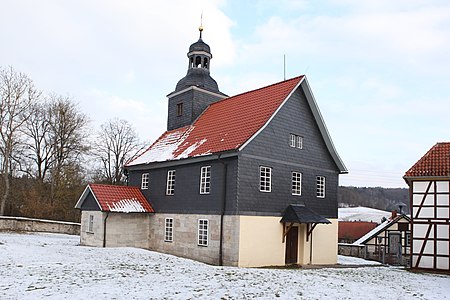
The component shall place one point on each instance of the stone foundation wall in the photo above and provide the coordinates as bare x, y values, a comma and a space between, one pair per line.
38, 225
352, 250
185, 237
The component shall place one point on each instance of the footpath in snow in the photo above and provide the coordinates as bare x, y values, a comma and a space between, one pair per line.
54, 266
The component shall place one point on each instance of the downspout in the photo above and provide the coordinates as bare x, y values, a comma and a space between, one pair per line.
222, 213
311, 249
104, 229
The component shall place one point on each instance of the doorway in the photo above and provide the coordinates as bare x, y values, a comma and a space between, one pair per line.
292, 246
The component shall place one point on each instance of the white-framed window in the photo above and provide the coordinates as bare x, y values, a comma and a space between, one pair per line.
203, 232
144, 181
170, 188
205, 180
296, 141
265, 179
90, 227
320, 186
296, 183
168, 230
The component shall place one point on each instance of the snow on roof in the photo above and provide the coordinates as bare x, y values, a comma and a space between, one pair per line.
373, 232
223, 126
378, 229
114, 198
365, 214
126, 206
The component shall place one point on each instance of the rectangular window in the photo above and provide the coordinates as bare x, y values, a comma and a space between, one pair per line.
320, 186
91, 224
180, 109
170, 189
205, 180
168, 230
296, 183
265, 179
144, 181
295, 141
292, 140
203, 232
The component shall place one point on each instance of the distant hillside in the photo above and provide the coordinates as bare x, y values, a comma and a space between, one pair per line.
374, 197
364, 214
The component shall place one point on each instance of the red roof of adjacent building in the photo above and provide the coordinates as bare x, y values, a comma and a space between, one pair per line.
115, 198
225, 125
353, 230
435, 163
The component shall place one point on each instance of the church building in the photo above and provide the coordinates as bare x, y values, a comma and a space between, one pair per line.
249, 180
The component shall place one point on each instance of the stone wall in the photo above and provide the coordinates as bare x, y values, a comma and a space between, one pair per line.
185, 237
38, 225
122, 229
352, 250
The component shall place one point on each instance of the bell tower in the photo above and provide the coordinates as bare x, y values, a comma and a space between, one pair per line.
195, 91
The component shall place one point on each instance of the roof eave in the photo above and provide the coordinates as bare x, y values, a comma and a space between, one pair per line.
322, 127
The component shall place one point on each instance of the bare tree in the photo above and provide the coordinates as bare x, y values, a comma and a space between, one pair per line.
116, 143
67, 137
17, 94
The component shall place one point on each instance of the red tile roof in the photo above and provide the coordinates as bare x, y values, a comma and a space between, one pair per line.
435, 163
114, 198
354, 230
223, 126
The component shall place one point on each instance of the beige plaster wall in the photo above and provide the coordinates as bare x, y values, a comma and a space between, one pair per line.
260, 241
324, 243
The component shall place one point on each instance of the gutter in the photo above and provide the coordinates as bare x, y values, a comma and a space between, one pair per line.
222, 212
104, 229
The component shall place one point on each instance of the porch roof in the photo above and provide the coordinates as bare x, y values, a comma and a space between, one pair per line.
299, 213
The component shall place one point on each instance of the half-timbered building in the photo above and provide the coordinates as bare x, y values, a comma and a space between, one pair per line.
249, 180
429, 185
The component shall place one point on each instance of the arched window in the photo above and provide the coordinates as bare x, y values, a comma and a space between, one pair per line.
205, 63
198, 61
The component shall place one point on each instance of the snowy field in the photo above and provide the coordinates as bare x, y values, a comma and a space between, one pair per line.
361, 213
53, 266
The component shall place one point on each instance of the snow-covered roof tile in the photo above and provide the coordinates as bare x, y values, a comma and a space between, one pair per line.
225, 125
114, 198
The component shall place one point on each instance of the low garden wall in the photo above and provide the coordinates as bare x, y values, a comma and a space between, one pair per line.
352, 250
38, 225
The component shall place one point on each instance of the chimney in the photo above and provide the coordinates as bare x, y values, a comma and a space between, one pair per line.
394, 214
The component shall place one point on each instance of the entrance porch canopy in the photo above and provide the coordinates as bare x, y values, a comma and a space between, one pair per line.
300, 214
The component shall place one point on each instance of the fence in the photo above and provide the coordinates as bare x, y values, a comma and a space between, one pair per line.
38, 225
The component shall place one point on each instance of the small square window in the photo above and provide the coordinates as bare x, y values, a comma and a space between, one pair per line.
320, 186
203, 232
205, 180
296, 183
180, 109
170, 188
265, 179
144, 181
168, 230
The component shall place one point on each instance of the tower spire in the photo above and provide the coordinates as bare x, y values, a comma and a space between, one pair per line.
200, 28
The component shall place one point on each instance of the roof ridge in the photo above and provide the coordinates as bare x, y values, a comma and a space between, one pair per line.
261, 88
112, 185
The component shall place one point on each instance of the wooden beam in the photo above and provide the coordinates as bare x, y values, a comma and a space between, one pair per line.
309, 231
286, 231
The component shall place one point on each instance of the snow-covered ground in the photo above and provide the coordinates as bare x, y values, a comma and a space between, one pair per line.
53, 266
365, 214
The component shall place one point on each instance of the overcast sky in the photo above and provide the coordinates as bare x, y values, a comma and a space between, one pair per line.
379, 70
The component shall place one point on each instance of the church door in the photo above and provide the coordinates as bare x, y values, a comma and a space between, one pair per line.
292, 246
